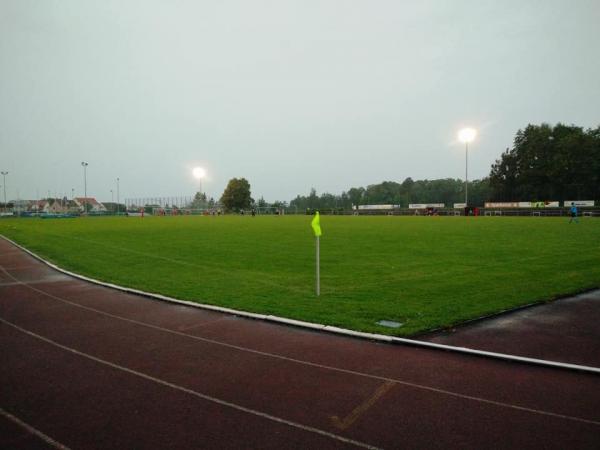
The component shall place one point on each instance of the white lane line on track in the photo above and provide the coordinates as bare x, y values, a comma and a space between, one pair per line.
192, 392
21, 267
202, 324
43, 281
44, 437
322, 366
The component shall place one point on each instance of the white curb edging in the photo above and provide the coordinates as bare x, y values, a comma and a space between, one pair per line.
320, 327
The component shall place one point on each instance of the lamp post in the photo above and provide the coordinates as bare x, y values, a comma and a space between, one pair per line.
4, 187
84, 164
118, 204
467, 135
199, 173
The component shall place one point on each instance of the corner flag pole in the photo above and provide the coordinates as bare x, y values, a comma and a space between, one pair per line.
316, 226
318, 270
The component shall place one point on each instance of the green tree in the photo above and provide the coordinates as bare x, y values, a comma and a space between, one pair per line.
356, 195
237, 195
199, 201
387, 193
345, 202
327, 201
298, 204
406, 192
549, 163
313, 199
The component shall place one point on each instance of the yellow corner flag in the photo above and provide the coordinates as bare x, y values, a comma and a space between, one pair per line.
316, 224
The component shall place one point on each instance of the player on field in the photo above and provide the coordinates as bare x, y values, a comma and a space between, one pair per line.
573, 213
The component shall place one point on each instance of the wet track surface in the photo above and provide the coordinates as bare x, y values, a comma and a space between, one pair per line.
84, 366
565, 330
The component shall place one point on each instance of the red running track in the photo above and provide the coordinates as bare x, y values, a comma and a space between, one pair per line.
85, 366
565, 330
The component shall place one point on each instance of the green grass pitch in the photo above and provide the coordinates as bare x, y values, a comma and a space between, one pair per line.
425, 272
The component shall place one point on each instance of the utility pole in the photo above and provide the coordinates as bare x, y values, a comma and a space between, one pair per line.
4, 187
84, 164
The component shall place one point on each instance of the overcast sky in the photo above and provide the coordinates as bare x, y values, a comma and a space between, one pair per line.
288, 94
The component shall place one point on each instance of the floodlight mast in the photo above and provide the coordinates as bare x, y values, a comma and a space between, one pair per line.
84, 164
466, 173
467, 135
4, 187
199, 173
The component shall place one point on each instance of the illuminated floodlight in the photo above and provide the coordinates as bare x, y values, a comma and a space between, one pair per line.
199, 172
467, 135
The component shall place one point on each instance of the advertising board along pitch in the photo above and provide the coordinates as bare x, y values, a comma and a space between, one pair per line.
378, 206
426, 205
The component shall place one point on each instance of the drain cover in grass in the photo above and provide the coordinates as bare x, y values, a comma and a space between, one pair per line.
389, 323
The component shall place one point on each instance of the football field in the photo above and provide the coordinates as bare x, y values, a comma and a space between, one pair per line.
423, 272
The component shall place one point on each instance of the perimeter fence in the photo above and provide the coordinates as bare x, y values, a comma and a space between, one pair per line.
160, 202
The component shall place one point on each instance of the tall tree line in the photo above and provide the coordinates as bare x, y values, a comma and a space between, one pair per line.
447, 191
547, 162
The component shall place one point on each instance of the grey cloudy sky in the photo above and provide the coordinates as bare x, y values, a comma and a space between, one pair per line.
289, 94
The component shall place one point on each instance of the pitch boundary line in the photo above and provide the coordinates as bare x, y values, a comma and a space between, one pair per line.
44, 437
321, 327
317, 365
192, 392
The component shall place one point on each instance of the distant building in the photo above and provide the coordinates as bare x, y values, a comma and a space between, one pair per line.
57, 207
38, 206
60, 206
94, 205
21, 205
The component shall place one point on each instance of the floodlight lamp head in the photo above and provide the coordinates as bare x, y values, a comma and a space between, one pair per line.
467, 135
199, 172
